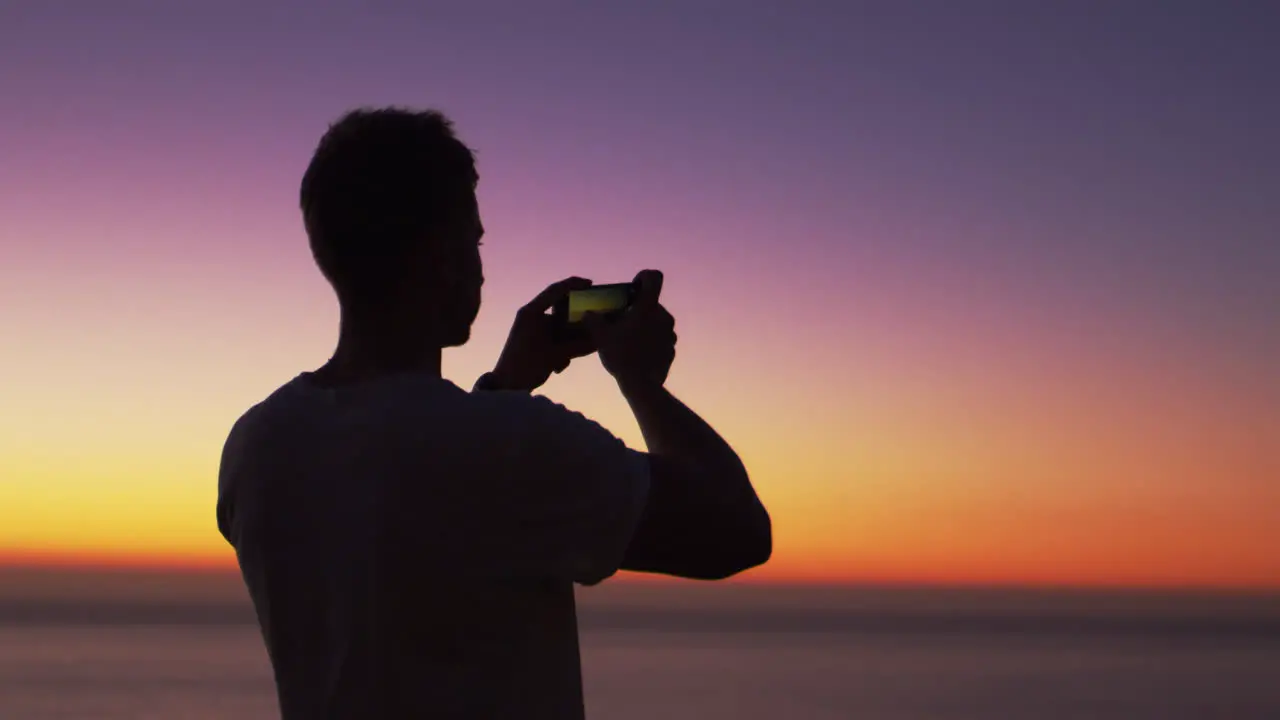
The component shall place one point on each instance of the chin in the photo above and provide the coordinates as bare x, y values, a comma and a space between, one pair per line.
458, 338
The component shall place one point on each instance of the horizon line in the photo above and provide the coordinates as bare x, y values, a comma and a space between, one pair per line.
84, 563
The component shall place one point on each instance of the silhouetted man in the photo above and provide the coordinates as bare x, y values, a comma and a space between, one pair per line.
411, 547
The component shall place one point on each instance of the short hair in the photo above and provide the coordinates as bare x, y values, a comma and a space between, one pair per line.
380, 180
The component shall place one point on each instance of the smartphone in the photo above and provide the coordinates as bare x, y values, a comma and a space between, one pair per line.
608, 300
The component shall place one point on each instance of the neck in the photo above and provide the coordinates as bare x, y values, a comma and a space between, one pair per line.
376, 344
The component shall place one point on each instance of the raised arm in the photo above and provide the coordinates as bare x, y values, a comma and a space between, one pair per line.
703, 519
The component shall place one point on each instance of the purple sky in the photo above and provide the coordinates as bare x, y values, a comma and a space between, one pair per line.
1109, 155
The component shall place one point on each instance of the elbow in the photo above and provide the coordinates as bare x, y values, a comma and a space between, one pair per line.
752, 548
757, 546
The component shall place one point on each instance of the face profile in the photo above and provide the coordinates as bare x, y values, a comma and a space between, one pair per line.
452, 277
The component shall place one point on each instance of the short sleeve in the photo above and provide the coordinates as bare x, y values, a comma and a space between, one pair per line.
537, 490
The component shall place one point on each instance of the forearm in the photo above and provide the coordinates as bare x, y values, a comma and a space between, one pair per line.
678, 435
703, 519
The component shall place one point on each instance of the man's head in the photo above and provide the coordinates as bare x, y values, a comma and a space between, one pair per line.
390, 209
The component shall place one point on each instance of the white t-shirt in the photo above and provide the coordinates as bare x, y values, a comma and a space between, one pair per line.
411, 548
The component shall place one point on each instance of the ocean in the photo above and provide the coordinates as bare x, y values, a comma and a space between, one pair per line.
658, 651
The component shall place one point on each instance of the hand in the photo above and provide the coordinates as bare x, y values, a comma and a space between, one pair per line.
532, 352
640, 345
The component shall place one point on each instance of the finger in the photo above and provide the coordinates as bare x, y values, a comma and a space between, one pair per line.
577, 347
554, 292
648, 288
665, 318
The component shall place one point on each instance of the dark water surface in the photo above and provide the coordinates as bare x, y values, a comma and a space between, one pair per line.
724, 653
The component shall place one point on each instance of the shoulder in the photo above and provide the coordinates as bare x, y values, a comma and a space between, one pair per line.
260, 419
241, 435
520, 405
269, 427
538, 418
532, 436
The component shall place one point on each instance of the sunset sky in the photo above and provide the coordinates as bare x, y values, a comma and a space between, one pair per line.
987, 294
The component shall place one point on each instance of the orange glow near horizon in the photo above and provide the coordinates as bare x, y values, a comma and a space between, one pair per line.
808, 571
877, 485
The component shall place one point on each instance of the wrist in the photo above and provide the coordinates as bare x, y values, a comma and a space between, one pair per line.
637, 386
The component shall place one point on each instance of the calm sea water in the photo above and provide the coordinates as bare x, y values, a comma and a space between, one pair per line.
203, 672
705, 654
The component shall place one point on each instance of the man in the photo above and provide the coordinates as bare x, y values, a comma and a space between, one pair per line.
410, 547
